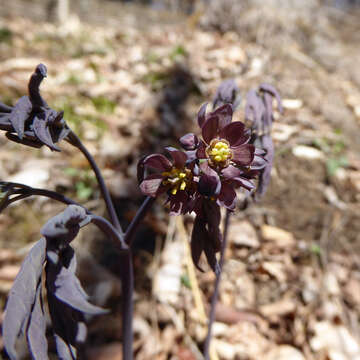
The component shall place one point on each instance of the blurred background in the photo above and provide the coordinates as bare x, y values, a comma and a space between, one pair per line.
131, 76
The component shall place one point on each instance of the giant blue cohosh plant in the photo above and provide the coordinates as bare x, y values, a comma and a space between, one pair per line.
202, 177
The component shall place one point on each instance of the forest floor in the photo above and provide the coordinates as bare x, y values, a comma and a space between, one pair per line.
132, 84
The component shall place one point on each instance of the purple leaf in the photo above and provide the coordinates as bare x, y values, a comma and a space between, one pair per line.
65, 226
22, 296
265, 174
5, 108
42, 132
5, 123
227, 94
33, 143
64, 350
68, 323
67, 288
254, 109
19, 114
37, 329
273, 92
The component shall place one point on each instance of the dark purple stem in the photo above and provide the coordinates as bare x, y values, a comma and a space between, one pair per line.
127, 306
127, 280
74, 140
215, 295
103, 224
131, 230
110, 230
27, 191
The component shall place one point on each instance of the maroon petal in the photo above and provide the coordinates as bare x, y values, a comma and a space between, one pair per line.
178, 203
140, 170
243, 182
151, 185
212, 213
209, 183
227, 196
198, 238
230, 172
243, 154
225, 114
202, 115
179, 157
158, 162
200, 152
210, 128
189, 141
235, 133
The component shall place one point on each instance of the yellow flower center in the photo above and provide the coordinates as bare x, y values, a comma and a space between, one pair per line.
177, 178
219, 152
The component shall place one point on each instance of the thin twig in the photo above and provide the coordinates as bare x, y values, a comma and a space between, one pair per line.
214, 297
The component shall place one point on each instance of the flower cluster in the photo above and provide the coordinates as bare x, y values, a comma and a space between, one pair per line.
205, 175
259, 112
31, 121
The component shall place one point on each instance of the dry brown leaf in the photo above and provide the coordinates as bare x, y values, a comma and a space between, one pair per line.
279, 237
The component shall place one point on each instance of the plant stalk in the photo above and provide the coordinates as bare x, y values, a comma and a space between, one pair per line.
131, 230
74, 140
215, 295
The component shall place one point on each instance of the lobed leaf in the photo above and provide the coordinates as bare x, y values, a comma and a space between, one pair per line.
22, 296
19, 114
42, 132
36, 331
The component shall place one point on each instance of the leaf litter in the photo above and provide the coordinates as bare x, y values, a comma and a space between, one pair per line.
278, 301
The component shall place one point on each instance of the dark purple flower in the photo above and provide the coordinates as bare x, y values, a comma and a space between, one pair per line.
31, 121
259, 111
173, 177
224, 155
227, 93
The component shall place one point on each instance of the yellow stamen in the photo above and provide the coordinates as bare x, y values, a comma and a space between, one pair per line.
174, 191
220, 152
183, 185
